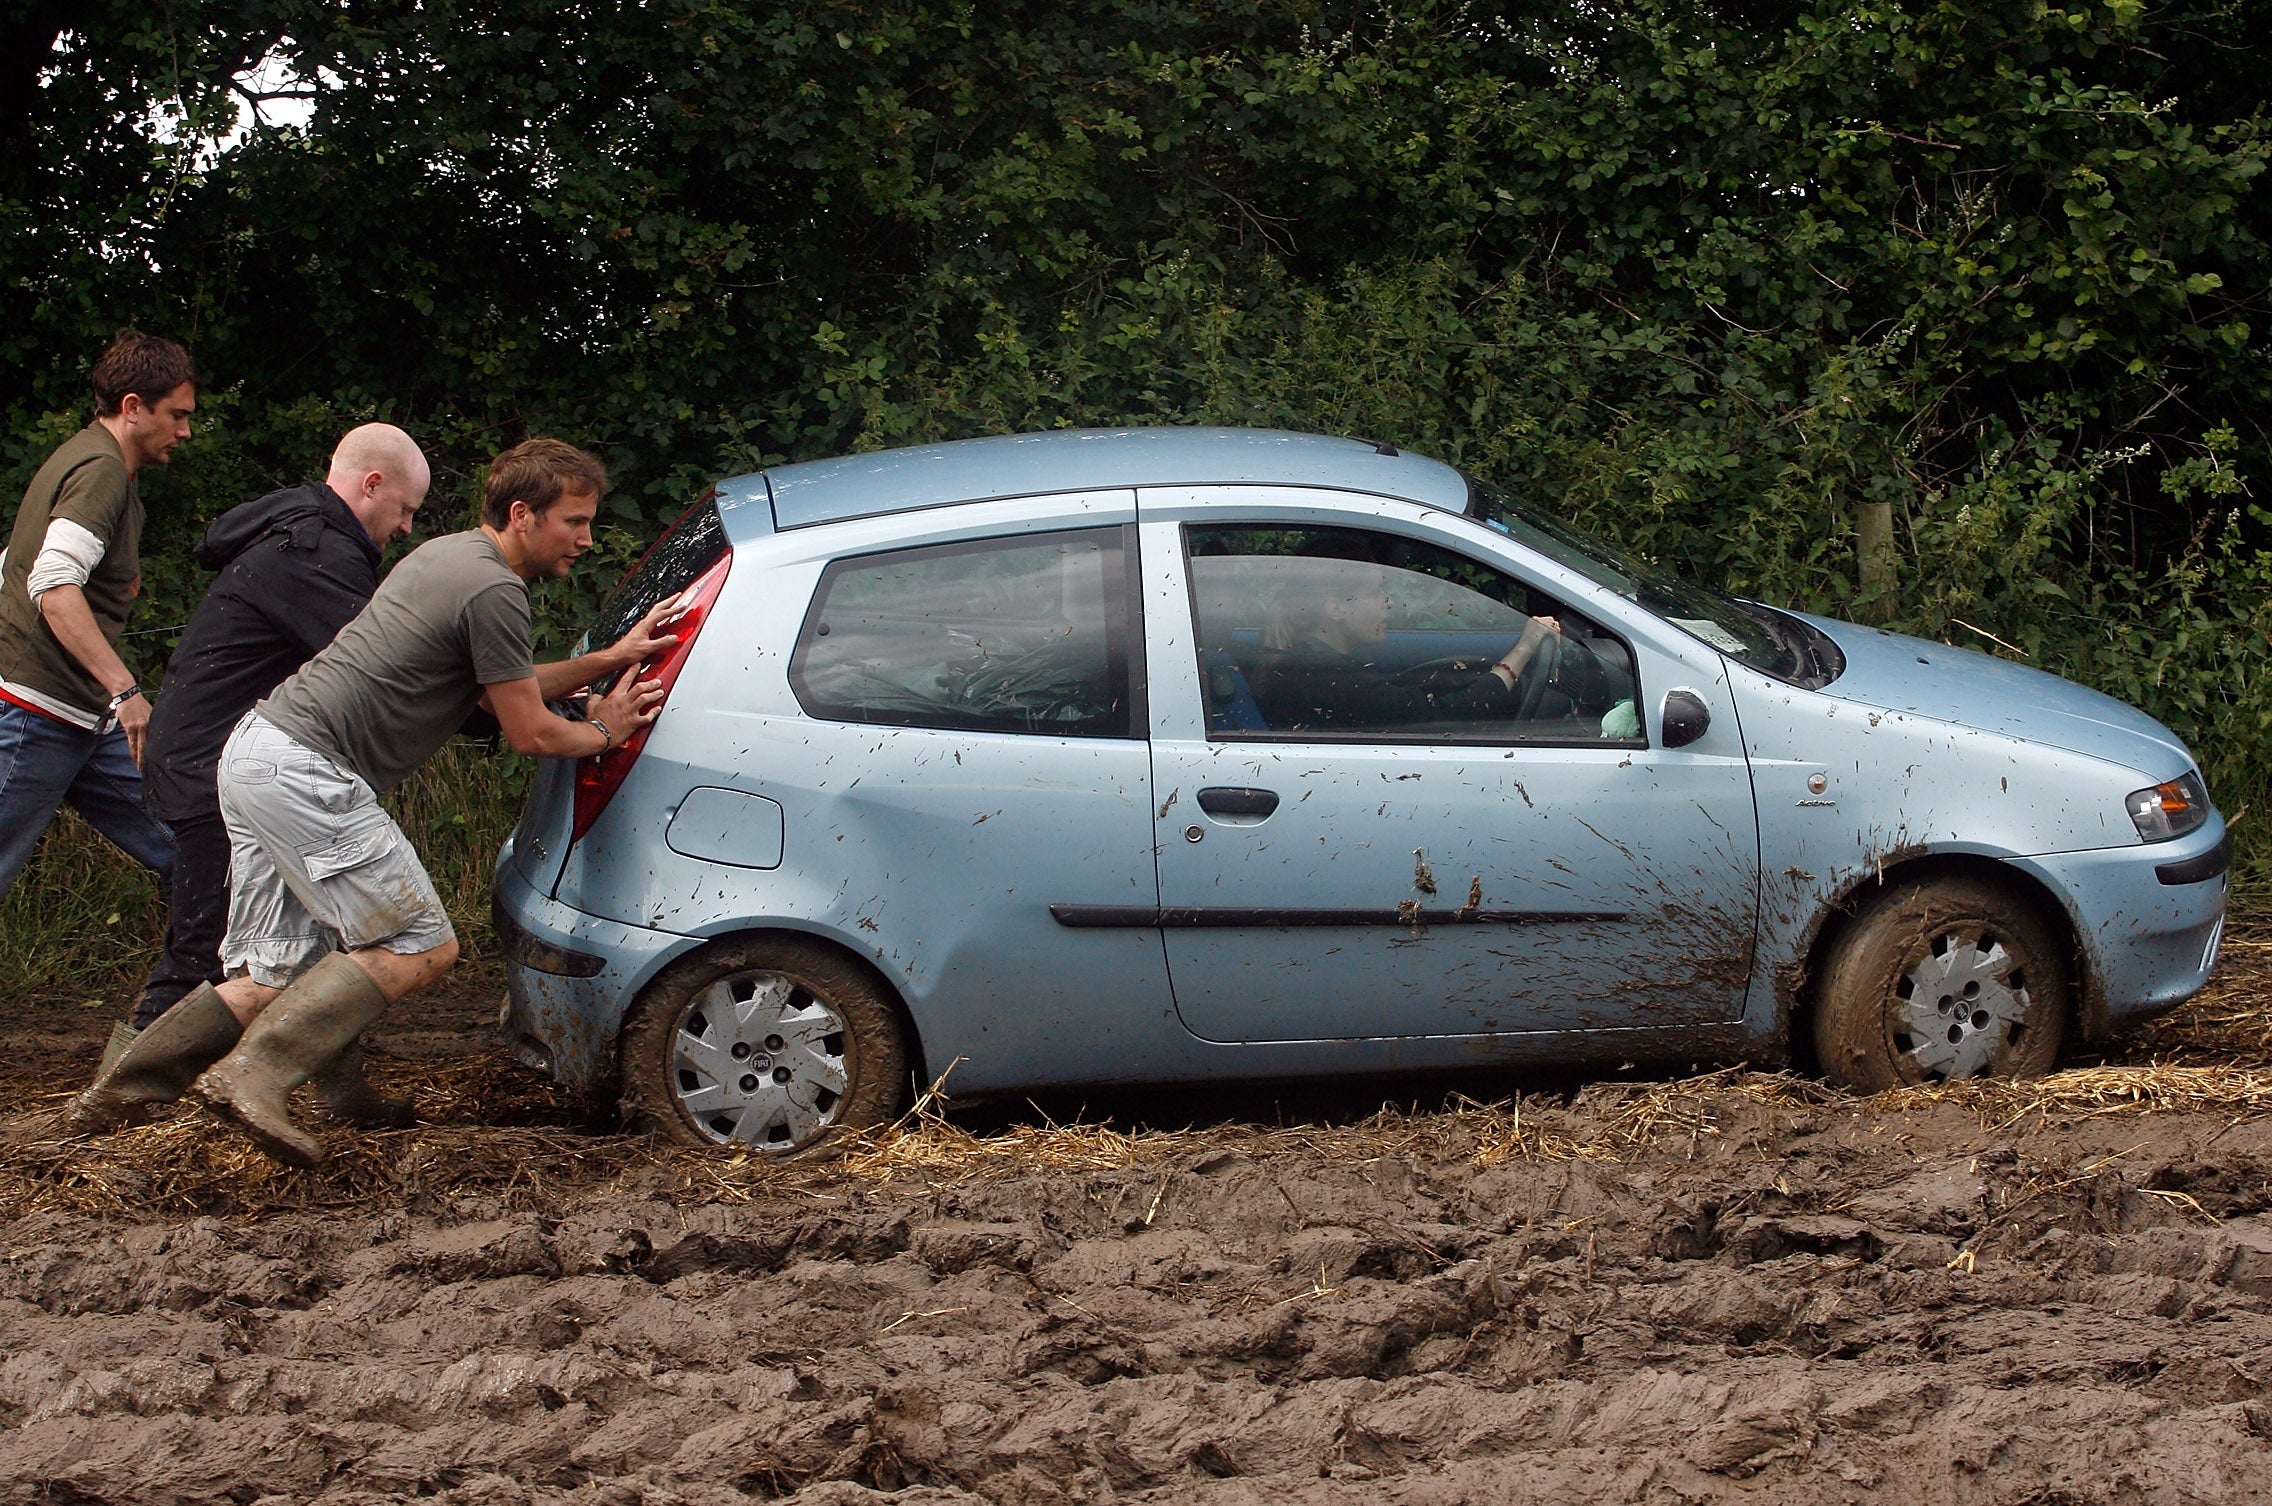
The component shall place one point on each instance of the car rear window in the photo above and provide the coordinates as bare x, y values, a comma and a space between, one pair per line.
687, 548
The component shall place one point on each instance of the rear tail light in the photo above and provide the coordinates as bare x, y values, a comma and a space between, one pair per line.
597, 779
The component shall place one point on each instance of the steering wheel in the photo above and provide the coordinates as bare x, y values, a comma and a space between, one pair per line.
1537, 675
1530, 685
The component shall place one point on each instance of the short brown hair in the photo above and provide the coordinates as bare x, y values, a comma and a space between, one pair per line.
539, 472
145, 365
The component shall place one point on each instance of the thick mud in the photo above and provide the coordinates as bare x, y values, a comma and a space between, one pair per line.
1741, 1288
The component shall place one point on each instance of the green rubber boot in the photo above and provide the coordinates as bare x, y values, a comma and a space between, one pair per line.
122, 1036
157, 1065
298, 1037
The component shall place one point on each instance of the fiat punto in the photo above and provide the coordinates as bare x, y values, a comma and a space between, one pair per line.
1167, 755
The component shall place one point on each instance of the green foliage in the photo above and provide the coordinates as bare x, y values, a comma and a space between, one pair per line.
1705, 277
81, 921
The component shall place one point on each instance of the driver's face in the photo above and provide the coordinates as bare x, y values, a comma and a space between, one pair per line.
1362, 614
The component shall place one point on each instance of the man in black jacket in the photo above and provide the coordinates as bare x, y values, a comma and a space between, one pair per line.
296, 566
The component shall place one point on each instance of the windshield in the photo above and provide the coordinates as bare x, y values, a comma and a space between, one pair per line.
1766, 640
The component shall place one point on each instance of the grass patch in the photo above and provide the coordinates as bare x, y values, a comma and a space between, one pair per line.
81, 918
84, 921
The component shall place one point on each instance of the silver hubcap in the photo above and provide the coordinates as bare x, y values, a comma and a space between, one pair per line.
1956, 1007
759, 1061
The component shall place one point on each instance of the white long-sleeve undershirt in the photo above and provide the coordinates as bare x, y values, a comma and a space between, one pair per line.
67, 557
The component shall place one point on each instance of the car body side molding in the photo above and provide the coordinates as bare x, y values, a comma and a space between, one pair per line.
1185, 918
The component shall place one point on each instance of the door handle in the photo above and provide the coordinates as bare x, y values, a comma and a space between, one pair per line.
1237, 800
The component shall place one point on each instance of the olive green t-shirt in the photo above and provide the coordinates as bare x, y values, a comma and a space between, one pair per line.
84, 482
405, 673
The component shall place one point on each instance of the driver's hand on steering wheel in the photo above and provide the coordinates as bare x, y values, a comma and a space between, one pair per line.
1526, 648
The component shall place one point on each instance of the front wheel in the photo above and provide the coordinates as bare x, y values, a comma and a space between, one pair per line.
777, 1044
1937, 979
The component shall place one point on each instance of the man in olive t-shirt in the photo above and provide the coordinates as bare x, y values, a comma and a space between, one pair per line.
331, 916
393, 686
71, 716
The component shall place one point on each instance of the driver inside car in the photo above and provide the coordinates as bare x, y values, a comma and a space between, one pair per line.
1317, 670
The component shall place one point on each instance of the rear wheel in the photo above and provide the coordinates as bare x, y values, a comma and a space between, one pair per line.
1938, 979
777, 1044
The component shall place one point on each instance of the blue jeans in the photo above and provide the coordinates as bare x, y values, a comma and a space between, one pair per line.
43, 763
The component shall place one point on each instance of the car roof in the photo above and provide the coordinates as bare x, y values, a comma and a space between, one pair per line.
1067, 460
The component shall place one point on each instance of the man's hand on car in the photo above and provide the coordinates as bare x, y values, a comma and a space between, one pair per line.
646, 639
630, 705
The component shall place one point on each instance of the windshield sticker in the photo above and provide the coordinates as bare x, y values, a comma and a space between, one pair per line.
1711, 632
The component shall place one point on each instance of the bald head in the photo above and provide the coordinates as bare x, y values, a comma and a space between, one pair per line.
381, 474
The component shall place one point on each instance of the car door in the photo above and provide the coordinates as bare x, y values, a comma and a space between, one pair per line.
1400, 843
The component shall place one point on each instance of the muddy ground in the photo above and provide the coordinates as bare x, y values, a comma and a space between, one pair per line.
1733, 1287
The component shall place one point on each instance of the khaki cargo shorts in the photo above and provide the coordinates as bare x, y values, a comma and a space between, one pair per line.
315, 864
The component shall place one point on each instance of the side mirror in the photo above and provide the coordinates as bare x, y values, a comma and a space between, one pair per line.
1685, 718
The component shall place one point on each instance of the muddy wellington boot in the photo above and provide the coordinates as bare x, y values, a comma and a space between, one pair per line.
346, 1095
298, 1037
122, 1036
157, 1065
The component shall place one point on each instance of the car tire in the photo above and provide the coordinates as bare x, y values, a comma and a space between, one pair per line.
776, 1044
1942, 978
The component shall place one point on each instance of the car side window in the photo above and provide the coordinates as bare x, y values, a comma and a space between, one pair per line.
1346, 634
1025, 634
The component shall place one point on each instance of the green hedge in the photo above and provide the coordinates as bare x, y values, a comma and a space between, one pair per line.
1722, 281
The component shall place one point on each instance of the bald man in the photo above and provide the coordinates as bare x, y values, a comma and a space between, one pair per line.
296, 566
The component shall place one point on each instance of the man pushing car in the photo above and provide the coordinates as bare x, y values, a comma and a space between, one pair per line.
295, 566
331, 916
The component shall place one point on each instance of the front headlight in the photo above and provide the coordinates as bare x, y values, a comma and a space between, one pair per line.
2169, 810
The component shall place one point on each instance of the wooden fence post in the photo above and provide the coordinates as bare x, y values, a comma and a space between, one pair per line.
1873, 549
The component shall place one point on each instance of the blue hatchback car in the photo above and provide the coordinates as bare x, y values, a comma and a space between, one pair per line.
1165, 755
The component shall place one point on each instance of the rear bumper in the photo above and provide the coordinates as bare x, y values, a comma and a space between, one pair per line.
2149, 918
569, 979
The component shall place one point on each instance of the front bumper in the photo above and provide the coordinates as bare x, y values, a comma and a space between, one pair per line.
569, 979
2149, 942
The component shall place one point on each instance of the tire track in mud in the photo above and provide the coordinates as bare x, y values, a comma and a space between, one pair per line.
1761, 1298
1913, 1312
